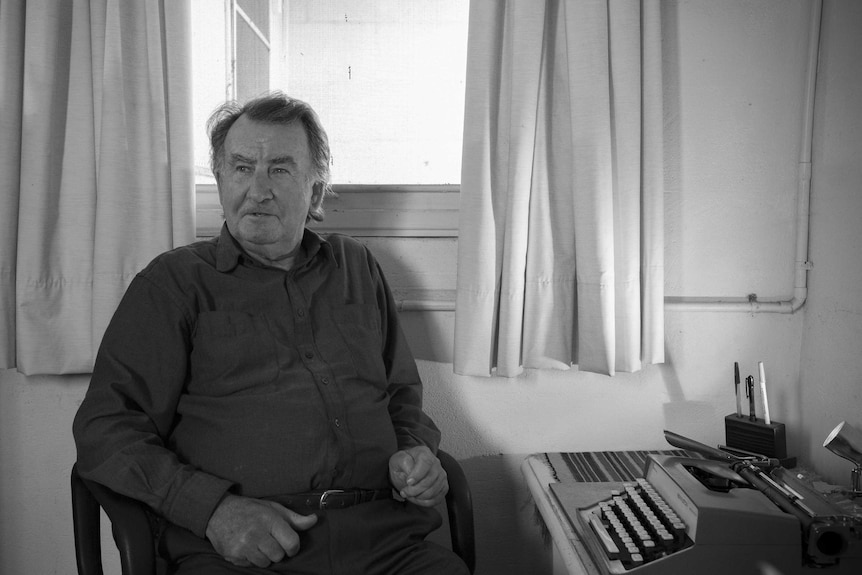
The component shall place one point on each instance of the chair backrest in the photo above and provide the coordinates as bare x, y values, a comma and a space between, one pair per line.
459, 507
133, 535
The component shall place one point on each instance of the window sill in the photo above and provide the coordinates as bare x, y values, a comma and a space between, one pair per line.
380, 211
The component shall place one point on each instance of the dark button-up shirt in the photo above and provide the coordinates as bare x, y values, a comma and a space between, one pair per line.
217, 373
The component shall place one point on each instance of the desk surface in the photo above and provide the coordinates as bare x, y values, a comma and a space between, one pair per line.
568, 547
540, 470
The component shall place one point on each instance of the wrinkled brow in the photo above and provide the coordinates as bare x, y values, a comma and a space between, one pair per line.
240, 159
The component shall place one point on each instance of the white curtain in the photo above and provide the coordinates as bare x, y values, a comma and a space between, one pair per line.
560, 247
96, 169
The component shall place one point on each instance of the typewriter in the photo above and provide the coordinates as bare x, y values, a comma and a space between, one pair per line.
714, 514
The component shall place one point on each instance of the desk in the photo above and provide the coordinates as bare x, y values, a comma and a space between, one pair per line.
542, 469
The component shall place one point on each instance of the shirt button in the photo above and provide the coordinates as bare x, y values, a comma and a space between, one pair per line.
309, 355
337, 422
300, 312
325, 380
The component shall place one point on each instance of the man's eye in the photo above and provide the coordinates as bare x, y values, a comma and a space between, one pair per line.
280, 171
243, 169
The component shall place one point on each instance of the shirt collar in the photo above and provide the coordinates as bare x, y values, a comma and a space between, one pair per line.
229, 253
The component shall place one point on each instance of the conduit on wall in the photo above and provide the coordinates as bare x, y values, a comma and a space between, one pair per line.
803, 199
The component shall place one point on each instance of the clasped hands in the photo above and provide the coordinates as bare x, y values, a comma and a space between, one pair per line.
248, 531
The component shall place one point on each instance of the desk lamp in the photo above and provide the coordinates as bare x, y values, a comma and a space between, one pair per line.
845, 441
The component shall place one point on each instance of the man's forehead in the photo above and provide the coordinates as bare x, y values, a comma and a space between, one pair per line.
249, 137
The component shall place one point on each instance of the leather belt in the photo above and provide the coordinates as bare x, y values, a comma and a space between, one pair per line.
332, 498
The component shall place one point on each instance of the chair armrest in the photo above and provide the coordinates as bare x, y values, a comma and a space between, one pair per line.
459, 506
130, 525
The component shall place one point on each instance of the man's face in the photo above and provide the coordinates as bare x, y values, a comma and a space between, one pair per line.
266, 186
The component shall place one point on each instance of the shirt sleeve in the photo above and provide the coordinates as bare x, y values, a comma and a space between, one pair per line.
122, 426
412, 425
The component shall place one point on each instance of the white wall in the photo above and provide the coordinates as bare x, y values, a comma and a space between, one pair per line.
831, 359
36, 456
734, 79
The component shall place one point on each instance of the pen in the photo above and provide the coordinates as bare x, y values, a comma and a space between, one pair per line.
749, 392
736, 389
766, 418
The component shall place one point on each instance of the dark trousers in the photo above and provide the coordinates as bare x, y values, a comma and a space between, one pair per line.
378, 538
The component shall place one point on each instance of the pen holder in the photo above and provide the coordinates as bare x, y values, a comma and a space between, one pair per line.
756, 436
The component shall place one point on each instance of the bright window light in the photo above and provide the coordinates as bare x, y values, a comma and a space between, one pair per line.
386, 77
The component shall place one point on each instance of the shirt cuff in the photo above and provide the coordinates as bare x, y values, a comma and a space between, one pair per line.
193, 506
406, 440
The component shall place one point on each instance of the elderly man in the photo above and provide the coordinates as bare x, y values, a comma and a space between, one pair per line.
243, 377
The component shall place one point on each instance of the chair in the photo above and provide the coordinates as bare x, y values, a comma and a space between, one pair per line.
131, 525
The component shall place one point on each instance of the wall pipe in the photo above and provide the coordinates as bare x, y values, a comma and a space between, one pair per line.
748, 304
803, 201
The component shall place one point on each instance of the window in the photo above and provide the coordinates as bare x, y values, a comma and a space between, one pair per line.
386, 77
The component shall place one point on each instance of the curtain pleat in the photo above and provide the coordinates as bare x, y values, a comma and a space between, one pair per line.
652, 174
11, 120
104, 154
557, 263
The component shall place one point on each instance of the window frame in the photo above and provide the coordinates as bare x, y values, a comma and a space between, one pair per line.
417, 211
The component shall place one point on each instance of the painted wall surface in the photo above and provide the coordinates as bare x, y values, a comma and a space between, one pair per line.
831, 359
734, 79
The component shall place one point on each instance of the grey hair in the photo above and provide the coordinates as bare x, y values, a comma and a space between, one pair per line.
274, 108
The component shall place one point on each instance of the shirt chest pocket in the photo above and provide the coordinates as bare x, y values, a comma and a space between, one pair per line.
359, 326
233, 352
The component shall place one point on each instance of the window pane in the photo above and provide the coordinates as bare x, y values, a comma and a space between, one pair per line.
209, 75
387, 78
252, 62
258, 12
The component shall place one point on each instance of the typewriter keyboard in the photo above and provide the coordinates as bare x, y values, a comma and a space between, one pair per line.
636, 526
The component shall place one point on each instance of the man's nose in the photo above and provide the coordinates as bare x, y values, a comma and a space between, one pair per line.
261, 186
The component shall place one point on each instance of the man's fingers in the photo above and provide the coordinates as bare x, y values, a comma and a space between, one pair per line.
256, 532
284, 532
402, 461
272, 549
433, 476
302, 522
287, 539
431, 496
430, 491
426, 483
250, 557
296, 520
400, 465
420, 470
259, 559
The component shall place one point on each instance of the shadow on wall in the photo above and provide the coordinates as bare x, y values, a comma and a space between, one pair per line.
683, 416
508, 538
430, 334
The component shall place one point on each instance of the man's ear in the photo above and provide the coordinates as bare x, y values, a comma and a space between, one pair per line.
219, 188
316, 196
315, 207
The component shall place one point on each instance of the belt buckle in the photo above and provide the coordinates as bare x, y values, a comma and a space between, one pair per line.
323, 504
